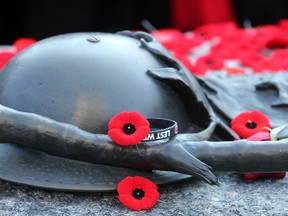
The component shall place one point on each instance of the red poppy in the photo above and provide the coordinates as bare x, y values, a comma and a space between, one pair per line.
128, 128
247, 124
253, 47
250, 125
138, 193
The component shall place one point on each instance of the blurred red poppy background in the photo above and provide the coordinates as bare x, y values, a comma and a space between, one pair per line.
41, 19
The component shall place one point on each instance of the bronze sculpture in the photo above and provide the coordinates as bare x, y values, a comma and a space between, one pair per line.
58, 95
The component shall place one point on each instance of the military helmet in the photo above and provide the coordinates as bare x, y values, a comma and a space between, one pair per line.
84, 79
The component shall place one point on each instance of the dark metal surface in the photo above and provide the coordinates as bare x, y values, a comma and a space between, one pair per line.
231, 95
58, 95
180, 154
37, 169
70, 79
68, 141
83, 82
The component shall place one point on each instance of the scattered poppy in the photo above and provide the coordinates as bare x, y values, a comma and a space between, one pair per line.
247, 124
208, 62
256, 49
251, 177
137, 193
260, 136
128, 128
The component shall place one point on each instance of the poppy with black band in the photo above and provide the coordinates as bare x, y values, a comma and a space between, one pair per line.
161, 129
130, 128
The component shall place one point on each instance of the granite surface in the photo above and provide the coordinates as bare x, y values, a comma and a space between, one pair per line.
189, 197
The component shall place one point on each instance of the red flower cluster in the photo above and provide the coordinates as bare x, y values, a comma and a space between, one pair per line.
138, 193
18, 46
252, 125
128, 128
259, 49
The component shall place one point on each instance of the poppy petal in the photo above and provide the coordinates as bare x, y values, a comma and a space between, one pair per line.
139, 120
119, 137
261, 136
130, 202
126, 185
148, 203
152, 194
124, 117
115, 122
145, 183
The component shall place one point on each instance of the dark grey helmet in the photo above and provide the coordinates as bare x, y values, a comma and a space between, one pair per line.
84, 79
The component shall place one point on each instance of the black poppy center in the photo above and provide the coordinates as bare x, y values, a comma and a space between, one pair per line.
129, 128
138, 193
251, 125
209, 62
202, 34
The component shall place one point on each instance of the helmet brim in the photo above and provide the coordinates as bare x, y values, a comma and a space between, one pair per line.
37, 169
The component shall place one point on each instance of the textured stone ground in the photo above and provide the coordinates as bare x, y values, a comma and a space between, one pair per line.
190, 197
